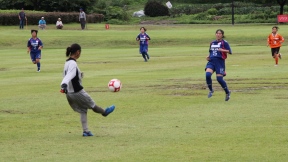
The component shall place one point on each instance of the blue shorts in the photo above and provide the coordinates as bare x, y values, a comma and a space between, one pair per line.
217, 65
143, 49
35, 56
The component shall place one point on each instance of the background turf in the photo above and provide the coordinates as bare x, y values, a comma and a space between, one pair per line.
162, 112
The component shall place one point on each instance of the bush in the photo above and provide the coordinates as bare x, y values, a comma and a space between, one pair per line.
114, 12
212, 11
50, 18
154, 9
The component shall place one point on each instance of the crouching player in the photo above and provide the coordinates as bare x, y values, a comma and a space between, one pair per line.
216, 63
77, 97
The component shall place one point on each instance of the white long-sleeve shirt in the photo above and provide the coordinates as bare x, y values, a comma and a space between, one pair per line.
72, 76
82, 15
59, 23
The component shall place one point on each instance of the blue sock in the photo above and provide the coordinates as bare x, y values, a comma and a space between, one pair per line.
144, 56
209, 80
223, 84
38, 65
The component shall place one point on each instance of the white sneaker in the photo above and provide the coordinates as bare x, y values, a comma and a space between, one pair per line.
38, 70
280, 56
275, 65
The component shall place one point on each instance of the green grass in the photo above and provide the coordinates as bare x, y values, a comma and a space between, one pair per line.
162, 112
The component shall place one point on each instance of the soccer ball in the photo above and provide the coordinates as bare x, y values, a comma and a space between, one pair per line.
114, 85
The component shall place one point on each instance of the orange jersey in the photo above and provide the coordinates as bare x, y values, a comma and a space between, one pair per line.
275, 40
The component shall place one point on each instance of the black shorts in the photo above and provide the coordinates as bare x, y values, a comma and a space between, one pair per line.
275, 50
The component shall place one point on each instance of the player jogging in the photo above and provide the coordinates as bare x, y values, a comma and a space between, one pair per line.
274, 41
143, 38
78, 99
34, 47
216, 63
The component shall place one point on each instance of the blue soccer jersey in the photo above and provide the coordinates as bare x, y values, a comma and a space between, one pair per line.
214, 47
34, 44
143, 38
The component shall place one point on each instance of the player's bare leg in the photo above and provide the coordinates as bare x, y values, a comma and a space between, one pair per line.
98, 109
276, 59
106, 112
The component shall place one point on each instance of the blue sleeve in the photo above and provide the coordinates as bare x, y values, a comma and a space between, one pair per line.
227, 47
29, 43
138, 36
40, 43
39, 22
209, 48
44, 22
148, 36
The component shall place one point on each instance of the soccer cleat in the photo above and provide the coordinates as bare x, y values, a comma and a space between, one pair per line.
38, 70
145, 60
86, 134
108, 110
280, 56
276, 65
228, 96
210, 94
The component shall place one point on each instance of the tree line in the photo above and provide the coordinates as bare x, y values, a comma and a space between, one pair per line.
89, 5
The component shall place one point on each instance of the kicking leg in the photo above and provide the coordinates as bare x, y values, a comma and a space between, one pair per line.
105, 112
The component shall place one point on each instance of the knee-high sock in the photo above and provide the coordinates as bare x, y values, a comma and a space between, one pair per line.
276, 59
38, 65
84, 122
144, 55
98, 109
223, 84
209, 80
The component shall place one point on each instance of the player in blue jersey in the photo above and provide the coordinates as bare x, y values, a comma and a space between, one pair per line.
216, 63
34, 47
143, 38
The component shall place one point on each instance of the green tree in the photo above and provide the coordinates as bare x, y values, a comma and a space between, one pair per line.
281, 3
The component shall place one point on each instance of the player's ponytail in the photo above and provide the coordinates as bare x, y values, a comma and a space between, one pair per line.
72, 49
68, 49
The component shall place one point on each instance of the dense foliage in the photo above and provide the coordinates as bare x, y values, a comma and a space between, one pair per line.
50, 17
154, 9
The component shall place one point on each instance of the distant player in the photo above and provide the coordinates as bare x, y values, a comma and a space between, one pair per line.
274, 41
34, 47
77, 97
143, 38
216, 63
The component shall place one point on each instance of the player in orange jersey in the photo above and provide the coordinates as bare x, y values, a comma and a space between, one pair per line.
275, 41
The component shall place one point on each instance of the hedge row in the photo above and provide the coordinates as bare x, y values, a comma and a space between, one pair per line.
50, 18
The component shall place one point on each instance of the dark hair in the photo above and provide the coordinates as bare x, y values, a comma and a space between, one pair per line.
72, 49
275, 27
33, 30
143, 28
222, 31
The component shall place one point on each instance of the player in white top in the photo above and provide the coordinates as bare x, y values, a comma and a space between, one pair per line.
77, 97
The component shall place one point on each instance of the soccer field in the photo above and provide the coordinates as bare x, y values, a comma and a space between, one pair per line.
162, 111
